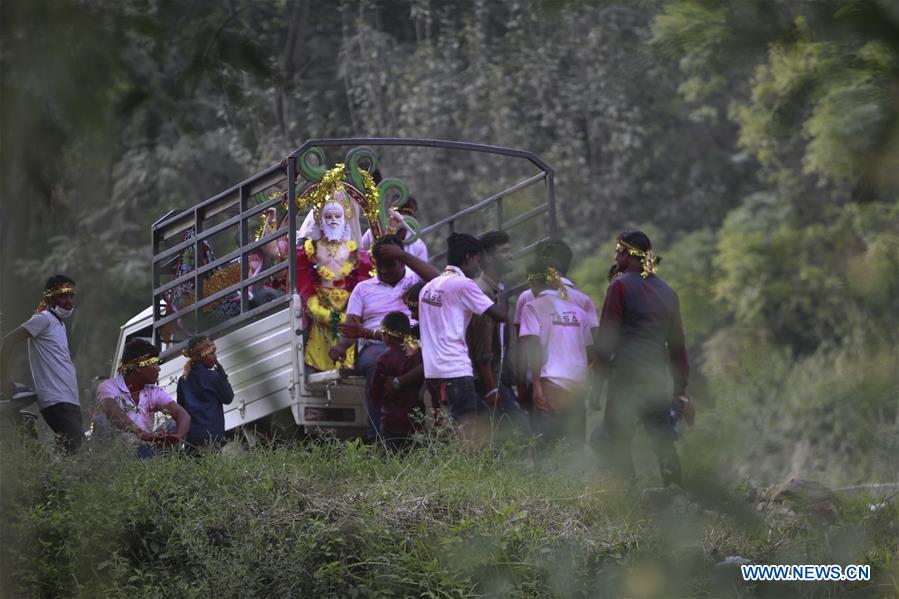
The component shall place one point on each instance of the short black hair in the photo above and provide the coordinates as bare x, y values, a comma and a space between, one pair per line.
57, 280
413, 292
557, 253
638, 239
459, 246
539, 264
398, 322
137, 348
493, 239
385, 240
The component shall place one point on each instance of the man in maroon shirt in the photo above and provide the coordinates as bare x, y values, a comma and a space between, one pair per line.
641, 352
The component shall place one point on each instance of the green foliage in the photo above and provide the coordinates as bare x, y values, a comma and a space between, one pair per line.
343, 520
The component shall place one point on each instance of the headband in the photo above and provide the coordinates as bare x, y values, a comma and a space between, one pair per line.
132, 365
553, 279
645, 256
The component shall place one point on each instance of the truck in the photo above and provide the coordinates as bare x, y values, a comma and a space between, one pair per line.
261, 346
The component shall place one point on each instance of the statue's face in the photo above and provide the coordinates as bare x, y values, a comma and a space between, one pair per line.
333, 221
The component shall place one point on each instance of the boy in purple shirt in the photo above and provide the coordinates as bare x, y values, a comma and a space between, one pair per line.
397, 381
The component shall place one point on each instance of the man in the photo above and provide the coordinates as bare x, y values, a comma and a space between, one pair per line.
51, 363
446, 307
642, 354
130, 401
373, 299
203, 390
556, 338
417, 248
557, 255
487, 340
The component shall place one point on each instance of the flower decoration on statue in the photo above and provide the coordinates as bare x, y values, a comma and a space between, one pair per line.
646, 257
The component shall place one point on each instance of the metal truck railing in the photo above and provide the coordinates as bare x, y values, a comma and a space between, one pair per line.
181, 306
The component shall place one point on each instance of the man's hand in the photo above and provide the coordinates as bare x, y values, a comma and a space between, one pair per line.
352, 328
390, 251
389, 388
491, 398
337, 354
146, 436
539, 399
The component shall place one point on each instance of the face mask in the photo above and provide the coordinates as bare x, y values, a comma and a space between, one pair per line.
62, 312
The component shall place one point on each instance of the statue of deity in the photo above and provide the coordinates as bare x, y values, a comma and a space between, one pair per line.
329, 265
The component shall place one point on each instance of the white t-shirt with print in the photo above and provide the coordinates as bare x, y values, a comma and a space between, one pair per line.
564, 336
372, 299
445, 307
575, 296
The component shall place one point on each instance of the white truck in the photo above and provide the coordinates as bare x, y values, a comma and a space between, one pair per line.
261, 346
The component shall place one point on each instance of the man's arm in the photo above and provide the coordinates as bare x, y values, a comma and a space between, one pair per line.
677, 351
120, 420
425, 270
609, 325
224, 391
181, 417
534, 361
480, 347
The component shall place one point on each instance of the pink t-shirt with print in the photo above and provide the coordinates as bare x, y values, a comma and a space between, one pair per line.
445, 308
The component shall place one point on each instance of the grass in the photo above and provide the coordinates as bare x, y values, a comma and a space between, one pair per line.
342, 519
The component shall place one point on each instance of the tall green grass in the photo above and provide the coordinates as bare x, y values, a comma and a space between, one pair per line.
347, 520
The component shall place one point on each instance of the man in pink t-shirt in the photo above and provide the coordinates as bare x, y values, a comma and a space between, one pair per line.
555, 337
445, 308
129, 402
558, 255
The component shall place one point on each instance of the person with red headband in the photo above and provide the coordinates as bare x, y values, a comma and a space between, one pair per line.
129, 402
51, 363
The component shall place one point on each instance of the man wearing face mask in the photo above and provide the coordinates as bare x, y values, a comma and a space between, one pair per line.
51, 363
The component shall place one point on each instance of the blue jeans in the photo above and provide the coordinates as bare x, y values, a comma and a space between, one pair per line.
366, 361
462, 399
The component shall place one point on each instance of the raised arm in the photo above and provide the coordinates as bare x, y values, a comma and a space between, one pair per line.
425, 270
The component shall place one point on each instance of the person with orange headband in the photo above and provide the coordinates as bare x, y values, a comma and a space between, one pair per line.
51, 363
130, 401
642, 354
202, 390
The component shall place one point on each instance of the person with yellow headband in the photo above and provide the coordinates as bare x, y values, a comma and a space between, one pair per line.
556, 338
642, 354
129, 402
51, 363
202, 390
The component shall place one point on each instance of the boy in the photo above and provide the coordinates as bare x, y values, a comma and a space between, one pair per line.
202, 390
129, 401
555, 335
397, 380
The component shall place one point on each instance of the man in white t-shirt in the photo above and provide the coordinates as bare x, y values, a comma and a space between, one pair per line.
370, 301
445, 308
51, 364
555, 337
558, 255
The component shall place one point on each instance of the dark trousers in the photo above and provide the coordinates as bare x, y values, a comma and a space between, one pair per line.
625, 409
461, 398
64, 419
508, 411
366, 361
567, 419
